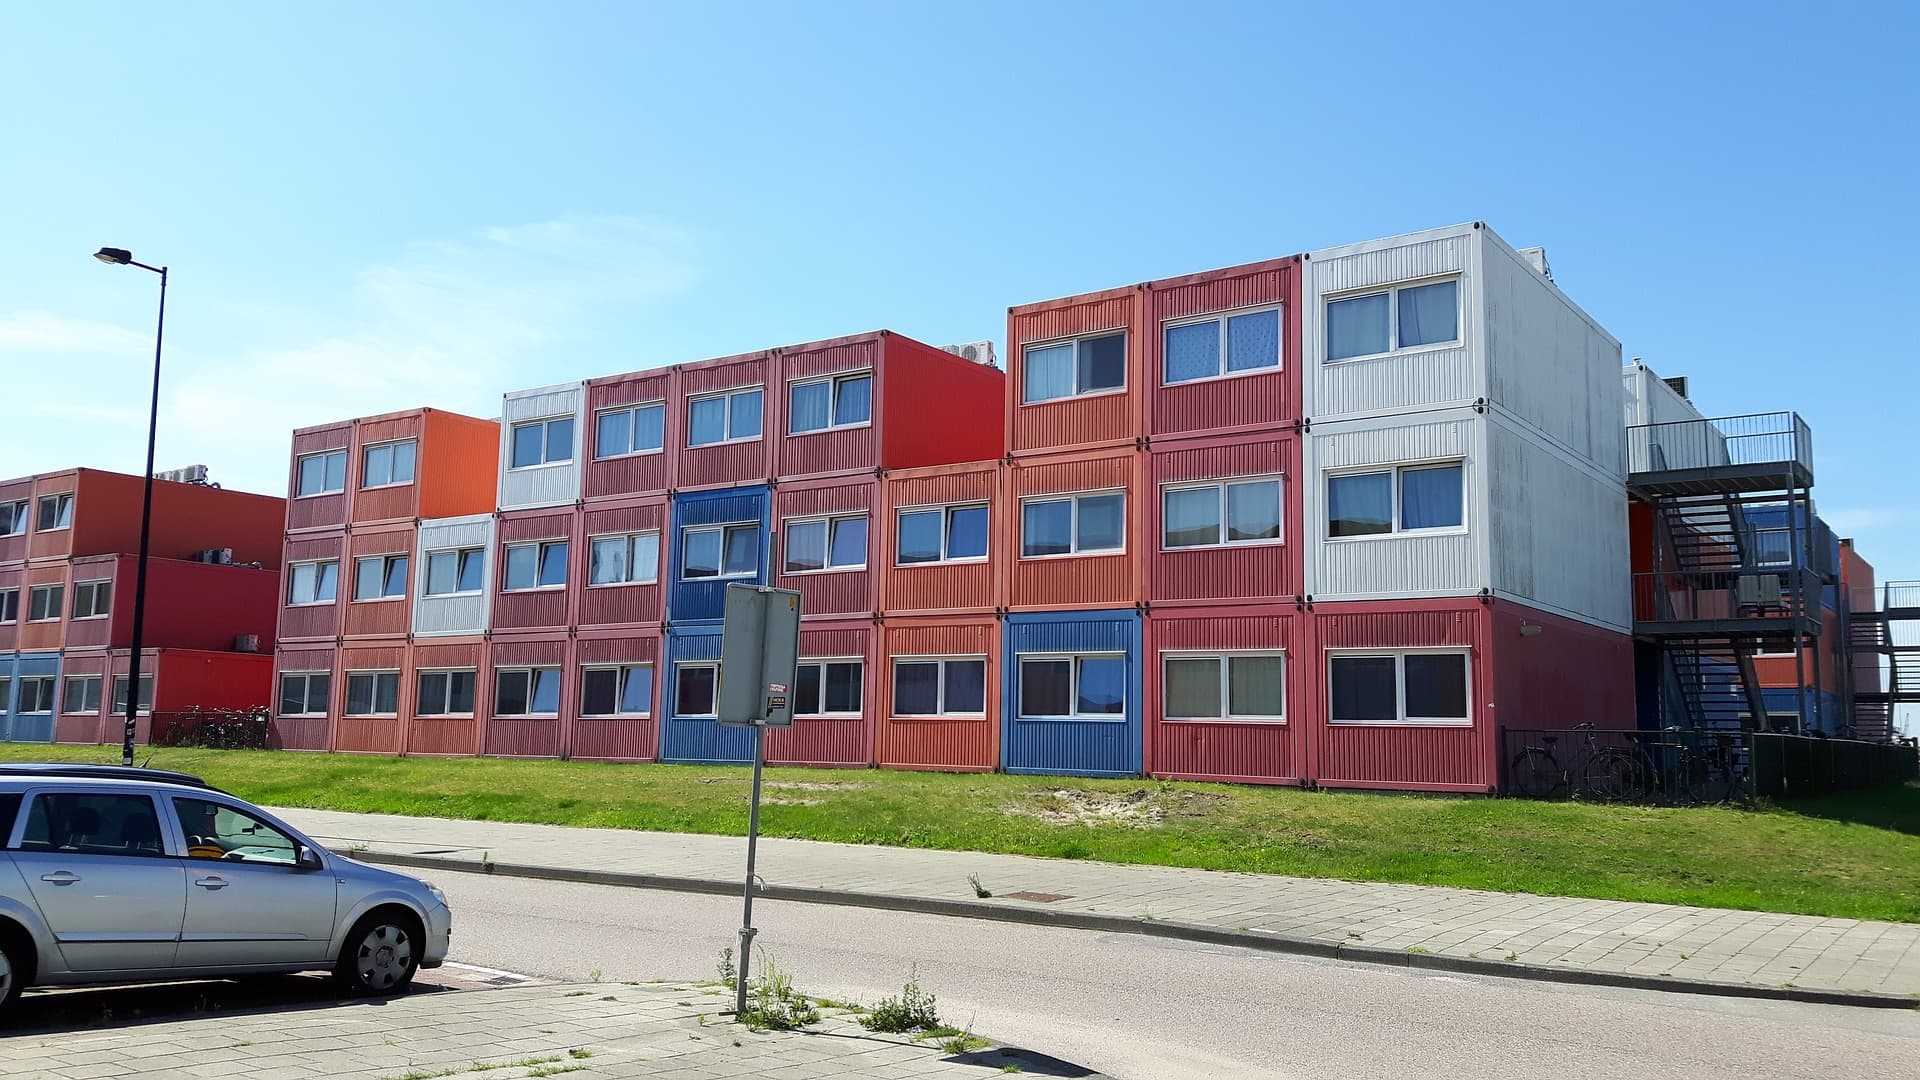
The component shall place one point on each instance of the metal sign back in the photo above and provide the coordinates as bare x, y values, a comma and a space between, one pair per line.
759, 656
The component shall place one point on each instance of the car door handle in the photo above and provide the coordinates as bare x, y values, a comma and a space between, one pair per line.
61, 877
212, 882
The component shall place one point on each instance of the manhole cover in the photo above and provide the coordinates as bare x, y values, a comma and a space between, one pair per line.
1037, 897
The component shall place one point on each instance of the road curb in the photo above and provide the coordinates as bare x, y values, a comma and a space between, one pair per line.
1127, 924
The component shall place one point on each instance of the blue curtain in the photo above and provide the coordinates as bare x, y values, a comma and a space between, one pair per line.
806, 546
743, 415
706, 421
1047, 373
1357, 327
1253, 341
1253, 510
1430, 314
1360, 505
1046, 528
1431, 498
1103, 686
649, 427
809, 403
613, 434
1193, 351
853, 400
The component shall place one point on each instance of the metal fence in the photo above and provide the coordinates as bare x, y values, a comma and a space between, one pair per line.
1676, 766
1761, 438
1789, 765
216, 729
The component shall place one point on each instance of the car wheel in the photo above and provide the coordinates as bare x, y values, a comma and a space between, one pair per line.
381, 955
12, 974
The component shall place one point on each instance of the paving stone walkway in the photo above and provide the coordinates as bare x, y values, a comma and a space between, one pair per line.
1697, 947
588, 1032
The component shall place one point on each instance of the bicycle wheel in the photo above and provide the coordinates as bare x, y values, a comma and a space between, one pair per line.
1534, 774
1617, 776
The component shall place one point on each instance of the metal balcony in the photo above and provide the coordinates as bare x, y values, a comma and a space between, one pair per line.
1729, 454
1770, 609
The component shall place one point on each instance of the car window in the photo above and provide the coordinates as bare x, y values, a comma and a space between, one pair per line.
9, 810
92, 824
218, 831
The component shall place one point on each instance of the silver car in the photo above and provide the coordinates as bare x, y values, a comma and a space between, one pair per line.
114, 875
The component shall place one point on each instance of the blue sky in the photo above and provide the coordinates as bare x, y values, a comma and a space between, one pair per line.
373, 206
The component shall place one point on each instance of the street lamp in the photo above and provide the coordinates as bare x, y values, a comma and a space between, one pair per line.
123, 257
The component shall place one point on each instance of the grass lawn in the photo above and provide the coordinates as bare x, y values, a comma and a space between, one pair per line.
1854, 855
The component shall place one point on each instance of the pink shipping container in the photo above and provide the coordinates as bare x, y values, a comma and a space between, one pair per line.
626, 737
13, 546
1228, 572
838, 736
1261, 741
379, 732
1089, 417
637, 604
540, 736
539, 609
1107, 579
944, 743
646, 472
444, 735
86, 727
385, 617
326, 511
306, 730
824, 510
948, 586
42, 636
1254, 312
736, 462
323, 621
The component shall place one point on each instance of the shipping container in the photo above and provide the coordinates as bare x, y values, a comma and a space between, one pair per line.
317, 501
308, 690
190, 605
1074, 531
1455, 318
690, 733
1226, 694
828, 545
16, 496
84, 713
1222, 351
420, 463
637, 427
307, 613
447, 691
937, 693
1076, 372
371, 706
940, 538
1071, 693
543, 569
530, 694
724, 527
453, 576
623, 589
618, 711
542, 446
43, 586
181, 680
28, 700
833, 698
377, 581
1223, 520
13, 592
1650, 399
729, 447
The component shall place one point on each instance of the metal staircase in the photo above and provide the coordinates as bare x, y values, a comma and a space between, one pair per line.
1890, 634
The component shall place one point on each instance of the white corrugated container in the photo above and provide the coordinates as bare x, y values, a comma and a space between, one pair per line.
459, 612
1558, 528
1649, 400
549, 483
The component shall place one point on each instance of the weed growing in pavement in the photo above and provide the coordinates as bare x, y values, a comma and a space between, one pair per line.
964, 1043
1012, 1067
576, 993
553, 1070
427, 1074
594, 975
523, 1063
579, 1053
728, 973
913, 1010
978, 890
773, 1003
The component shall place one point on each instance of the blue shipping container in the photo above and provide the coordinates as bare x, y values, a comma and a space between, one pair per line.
34, 727
1082, 685
705, 598
693, 651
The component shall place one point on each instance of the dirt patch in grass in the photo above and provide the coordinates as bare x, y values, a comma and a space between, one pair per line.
1139, 808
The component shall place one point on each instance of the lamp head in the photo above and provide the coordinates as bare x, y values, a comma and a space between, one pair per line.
114, 256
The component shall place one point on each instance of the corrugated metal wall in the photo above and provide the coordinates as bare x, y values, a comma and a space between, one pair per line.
1243, 751
634, 474
1389, 566
383, 617
624, 738
317, 511
736, 463
943, 588
83, 727
306, 732
387, 504
1566, 672
1072, 747
373, 734
706, 599
1558, 528
835, 451
16, 726
1078, 581
630, 604
315, 621
538, 609
1259, 400
446, 735
938, 743
1234, 574
830, 593
461, 613
844, 742
688, 740
55, 543
970, 425
1093, 420
542, 485
13, 547
538, 736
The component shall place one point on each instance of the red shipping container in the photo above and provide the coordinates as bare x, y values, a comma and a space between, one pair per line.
810, 516
1059, 582
1264, 744
948, 586
380, 732
1089, 419
1233, 573
13, 546
622, 737
190, 605
944, 743
13, 578
322, 511
48, 635
323, 621
538, 609
444, 734
82, 728
636, 604
305, 731
182, 680
1260, 398
56, 543
734, 462
385, 617
534, 735
648, 472
841, 734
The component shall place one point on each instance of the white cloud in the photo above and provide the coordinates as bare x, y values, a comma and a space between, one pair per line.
450, 324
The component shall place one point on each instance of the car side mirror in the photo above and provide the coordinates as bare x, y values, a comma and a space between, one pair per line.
306, 858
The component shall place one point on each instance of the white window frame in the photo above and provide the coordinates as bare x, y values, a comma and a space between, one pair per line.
346, 691
316, 564
1221, 486
426, 571
66, 694
120, 707
722, 527
622, 673
1075, 340
91, 586
389, 444
940, 685
386, 573
680, 668
630, 537
833, 400
1225, 657
56, 603
543, 422
728, 394
630, 408
946, 532
446, 696
1399, 657
1787, 560
1073, 685
786, 533
49, 686
341, 490
1394, 470
62, 513
306, 692
17, 522
1073, 523
530, 670
821, 662
9, 597
1392, 293
1220, 318
539, 561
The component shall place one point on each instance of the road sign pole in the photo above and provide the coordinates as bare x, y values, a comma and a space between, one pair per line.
746, 910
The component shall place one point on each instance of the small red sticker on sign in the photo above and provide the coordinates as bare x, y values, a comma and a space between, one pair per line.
776, 688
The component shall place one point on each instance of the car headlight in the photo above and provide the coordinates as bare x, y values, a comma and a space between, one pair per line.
434, 891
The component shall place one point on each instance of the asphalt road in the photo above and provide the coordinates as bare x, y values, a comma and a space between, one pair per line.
1145, 1009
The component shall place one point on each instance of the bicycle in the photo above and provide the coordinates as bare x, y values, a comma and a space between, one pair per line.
1711, 776
1613, 773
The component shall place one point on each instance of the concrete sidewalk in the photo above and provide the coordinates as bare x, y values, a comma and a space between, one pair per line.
587, 1031
1702, 950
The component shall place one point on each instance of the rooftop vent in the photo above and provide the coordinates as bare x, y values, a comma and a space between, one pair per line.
1678, 384
192, 474
1537, 257
980, 352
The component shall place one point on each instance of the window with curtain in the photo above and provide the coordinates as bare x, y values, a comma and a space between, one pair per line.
1228, 512
1405, 499
720, 551
1088, 365
1221, 345
726, 416
527, 691
633, 558
541, 565
945, 686
1073, 687
444, 693
835, 402
1073, 525
541, 442
373, 693
388, 463
828, 688
1417, 686
630, 429
1403, 317
1225, 686
830, 543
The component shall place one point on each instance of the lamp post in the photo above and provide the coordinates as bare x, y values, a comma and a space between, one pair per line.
123, 257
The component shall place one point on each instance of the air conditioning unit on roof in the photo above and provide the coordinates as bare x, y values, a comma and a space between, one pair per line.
192, 474
980, 352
